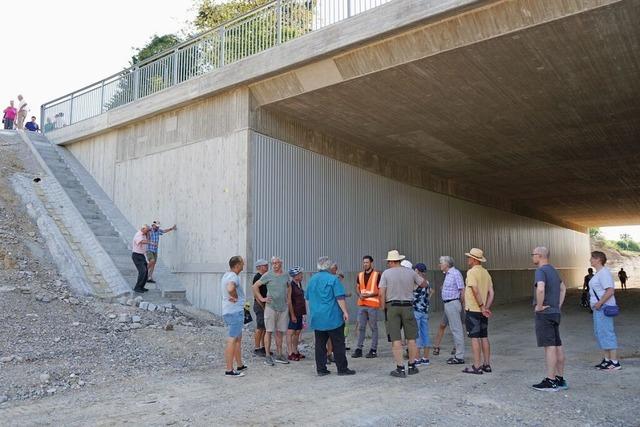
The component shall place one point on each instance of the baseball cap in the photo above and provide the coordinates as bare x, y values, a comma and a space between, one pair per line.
420, 267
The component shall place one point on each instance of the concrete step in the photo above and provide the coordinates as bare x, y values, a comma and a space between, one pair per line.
104, 231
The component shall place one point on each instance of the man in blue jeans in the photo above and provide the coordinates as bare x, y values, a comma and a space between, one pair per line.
328, 313
233, 316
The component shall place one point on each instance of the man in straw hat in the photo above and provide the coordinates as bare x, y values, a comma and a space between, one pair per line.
478, 297
396, 295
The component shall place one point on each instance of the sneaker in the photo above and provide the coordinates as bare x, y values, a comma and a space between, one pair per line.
281, 359
233, 374
417, 362
347, 348
398, 373
546, 385
413, 370
357, 353
613, 366
300, 356
242, 368
259, 352
561, 383
151, 281
603, 365
424, 362
330, 358
269, 361
347, 372
372, 354
293, 357
323, 373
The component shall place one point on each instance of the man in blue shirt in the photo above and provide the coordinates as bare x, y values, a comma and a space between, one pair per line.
32, 125
327, 315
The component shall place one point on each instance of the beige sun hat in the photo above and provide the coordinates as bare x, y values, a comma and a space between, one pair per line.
394, 255
476, 253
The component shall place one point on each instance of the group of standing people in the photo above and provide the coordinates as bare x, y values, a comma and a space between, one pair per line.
549, 297
144, 253
401, 294
14, 117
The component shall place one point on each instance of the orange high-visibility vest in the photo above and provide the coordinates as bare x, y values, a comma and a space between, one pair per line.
371, 286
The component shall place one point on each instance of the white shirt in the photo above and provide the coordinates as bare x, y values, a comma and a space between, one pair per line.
599, 283
23, 106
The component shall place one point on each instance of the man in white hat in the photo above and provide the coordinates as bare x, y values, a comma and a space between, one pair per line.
478, 297
396, 294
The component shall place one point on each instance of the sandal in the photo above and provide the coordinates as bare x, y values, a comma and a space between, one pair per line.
436, 351
486, 368
455, 361
472, 370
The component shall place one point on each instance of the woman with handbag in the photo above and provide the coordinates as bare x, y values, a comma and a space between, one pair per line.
603, 304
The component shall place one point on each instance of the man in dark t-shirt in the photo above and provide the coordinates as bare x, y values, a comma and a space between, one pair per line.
549, 293
262, 266
622, 275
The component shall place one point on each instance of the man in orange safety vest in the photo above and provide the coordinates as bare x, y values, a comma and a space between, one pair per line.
368, 306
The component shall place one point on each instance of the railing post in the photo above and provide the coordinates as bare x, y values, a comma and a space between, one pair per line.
278, 21
71, 111
348, 8
102, 97
136, 82
175, 67
42, 121
223, 50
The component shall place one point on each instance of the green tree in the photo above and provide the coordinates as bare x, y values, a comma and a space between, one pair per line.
211, 14
625, 237
258, 33
595, 233
151, 79
156, 45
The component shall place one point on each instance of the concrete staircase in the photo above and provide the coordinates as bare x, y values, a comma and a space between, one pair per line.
111, 239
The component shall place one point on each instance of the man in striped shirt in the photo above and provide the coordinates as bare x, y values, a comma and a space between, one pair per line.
453, 301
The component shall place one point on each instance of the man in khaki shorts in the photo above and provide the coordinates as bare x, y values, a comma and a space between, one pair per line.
276, 310
396, 295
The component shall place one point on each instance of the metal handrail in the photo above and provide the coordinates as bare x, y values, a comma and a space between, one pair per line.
269, 25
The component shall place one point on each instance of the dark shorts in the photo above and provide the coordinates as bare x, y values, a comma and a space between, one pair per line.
548, 329
401, 319
477, 325
259, 311
152, 256
295, 326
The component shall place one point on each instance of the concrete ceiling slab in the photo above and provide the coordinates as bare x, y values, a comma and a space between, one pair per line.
547, 117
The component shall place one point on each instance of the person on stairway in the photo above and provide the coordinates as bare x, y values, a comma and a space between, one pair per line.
152, 248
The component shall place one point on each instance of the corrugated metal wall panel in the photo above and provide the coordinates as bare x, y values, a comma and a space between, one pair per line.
306, 205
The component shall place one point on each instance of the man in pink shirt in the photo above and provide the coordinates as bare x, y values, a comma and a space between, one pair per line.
139, 247
9, 115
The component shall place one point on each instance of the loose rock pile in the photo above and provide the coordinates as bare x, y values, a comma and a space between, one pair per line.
52, 341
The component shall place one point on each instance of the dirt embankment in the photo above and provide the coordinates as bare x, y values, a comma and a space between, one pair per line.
616, 260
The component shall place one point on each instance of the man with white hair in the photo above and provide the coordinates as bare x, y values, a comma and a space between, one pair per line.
138, 249
23, 110
276, 310
453, 301
396, 295
549, 293
327, 316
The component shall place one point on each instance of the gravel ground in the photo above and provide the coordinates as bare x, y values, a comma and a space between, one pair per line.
52, 341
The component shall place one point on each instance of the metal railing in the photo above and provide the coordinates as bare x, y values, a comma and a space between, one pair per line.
270, 25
